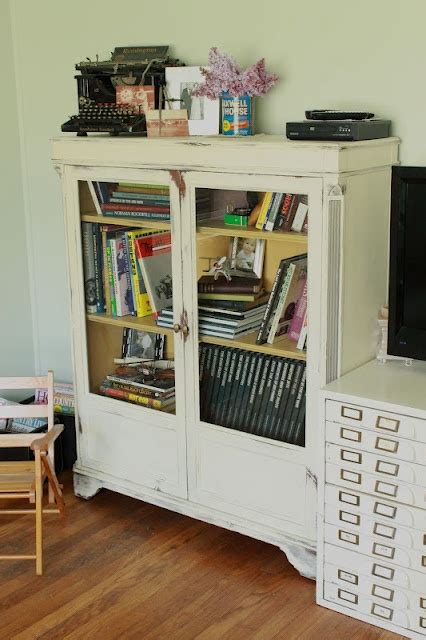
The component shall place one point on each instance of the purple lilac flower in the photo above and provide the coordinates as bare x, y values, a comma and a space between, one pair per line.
223, 75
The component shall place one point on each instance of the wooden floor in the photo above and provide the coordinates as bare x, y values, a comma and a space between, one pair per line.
117, 568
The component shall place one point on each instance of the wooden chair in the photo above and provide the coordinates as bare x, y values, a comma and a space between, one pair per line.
25, 479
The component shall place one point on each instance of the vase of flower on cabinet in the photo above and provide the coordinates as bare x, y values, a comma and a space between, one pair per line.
237, 115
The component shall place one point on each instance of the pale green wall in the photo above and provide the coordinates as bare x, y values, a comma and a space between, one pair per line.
16, 330
329, 54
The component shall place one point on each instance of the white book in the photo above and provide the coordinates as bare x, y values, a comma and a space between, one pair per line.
94, 198
302, 337
299, 217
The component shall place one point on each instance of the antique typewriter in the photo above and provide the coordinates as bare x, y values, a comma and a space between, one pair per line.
107, 117
97, 82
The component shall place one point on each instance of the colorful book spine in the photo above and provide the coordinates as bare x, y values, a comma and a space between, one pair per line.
273, 211
128, 396
147, 215
111, 278
143, 304
135, 199
105, 277
88, 267
114, 206
115, 278
263, 210
283, 212
98, 262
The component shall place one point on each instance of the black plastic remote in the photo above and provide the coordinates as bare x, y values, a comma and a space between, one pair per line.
324, 114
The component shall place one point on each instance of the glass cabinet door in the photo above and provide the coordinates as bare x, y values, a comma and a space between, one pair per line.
131, 281
250, 300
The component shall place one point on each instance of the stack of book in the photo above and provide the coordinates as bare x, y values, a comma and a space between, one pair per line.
285, 311
283, 212
152, 386
222, 318
126, 271
131, 200
253, 392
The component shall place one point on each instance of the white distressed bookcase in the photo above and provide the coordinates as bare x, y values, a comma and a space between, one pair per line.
260, 487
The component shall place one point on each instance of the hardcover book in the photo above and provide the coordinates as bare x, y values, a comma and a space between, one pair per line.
89, 268
209, 284
289, 293
298, 319
156, 268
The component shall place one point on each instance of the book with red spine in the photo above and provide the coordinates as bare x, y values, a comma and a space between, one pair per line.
154, 256
283, 213
116, 206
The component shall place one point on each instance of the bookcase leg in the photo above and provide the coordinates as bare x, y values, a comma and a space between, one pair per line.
302, 559
85, 487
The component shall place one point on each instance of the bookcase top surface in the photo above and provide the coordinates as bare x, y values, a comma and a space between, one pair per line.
261, 153
390, 383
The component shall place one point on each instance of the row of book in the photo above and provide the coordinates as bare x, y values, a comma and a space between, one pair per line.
128, 199
126, 271
141, 201
149, 384
283, 212
286, 309
253, 392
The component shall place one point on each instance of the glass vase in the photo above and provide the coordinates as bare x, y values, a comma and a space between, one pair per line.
237, 115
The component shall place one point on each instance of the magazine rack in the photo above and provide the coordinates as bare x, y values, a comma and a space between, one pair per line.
231, 477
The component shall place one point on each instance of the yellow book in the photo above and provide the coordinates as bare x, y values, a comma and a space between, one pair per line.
264, 209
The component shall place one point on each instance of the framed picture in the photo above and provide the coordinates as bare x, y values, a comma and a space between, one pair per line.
136, 96
203, 114
246, 256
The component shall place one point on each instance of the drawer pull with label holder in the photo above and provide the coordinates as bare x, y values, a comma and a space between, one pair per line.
350, 412
347, 596
387, 424
382, 592
346, 576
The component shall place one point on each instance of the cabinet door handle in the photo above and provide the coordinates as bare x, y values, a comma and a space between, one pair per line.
182, 327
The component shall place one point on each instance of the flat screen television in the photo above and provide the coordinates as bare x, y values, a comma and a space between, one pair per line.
407, 264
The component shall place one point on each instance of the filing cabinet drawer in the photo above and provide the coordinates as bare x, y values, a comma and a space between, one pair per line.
376, 609
376, 569
382, 444
376, 588
377, 464
378, 528
376, 485
387, 511
381, 422
348, 537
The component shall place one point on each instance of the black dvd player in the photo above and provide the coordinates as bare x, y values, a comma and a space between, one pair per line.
338, 129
